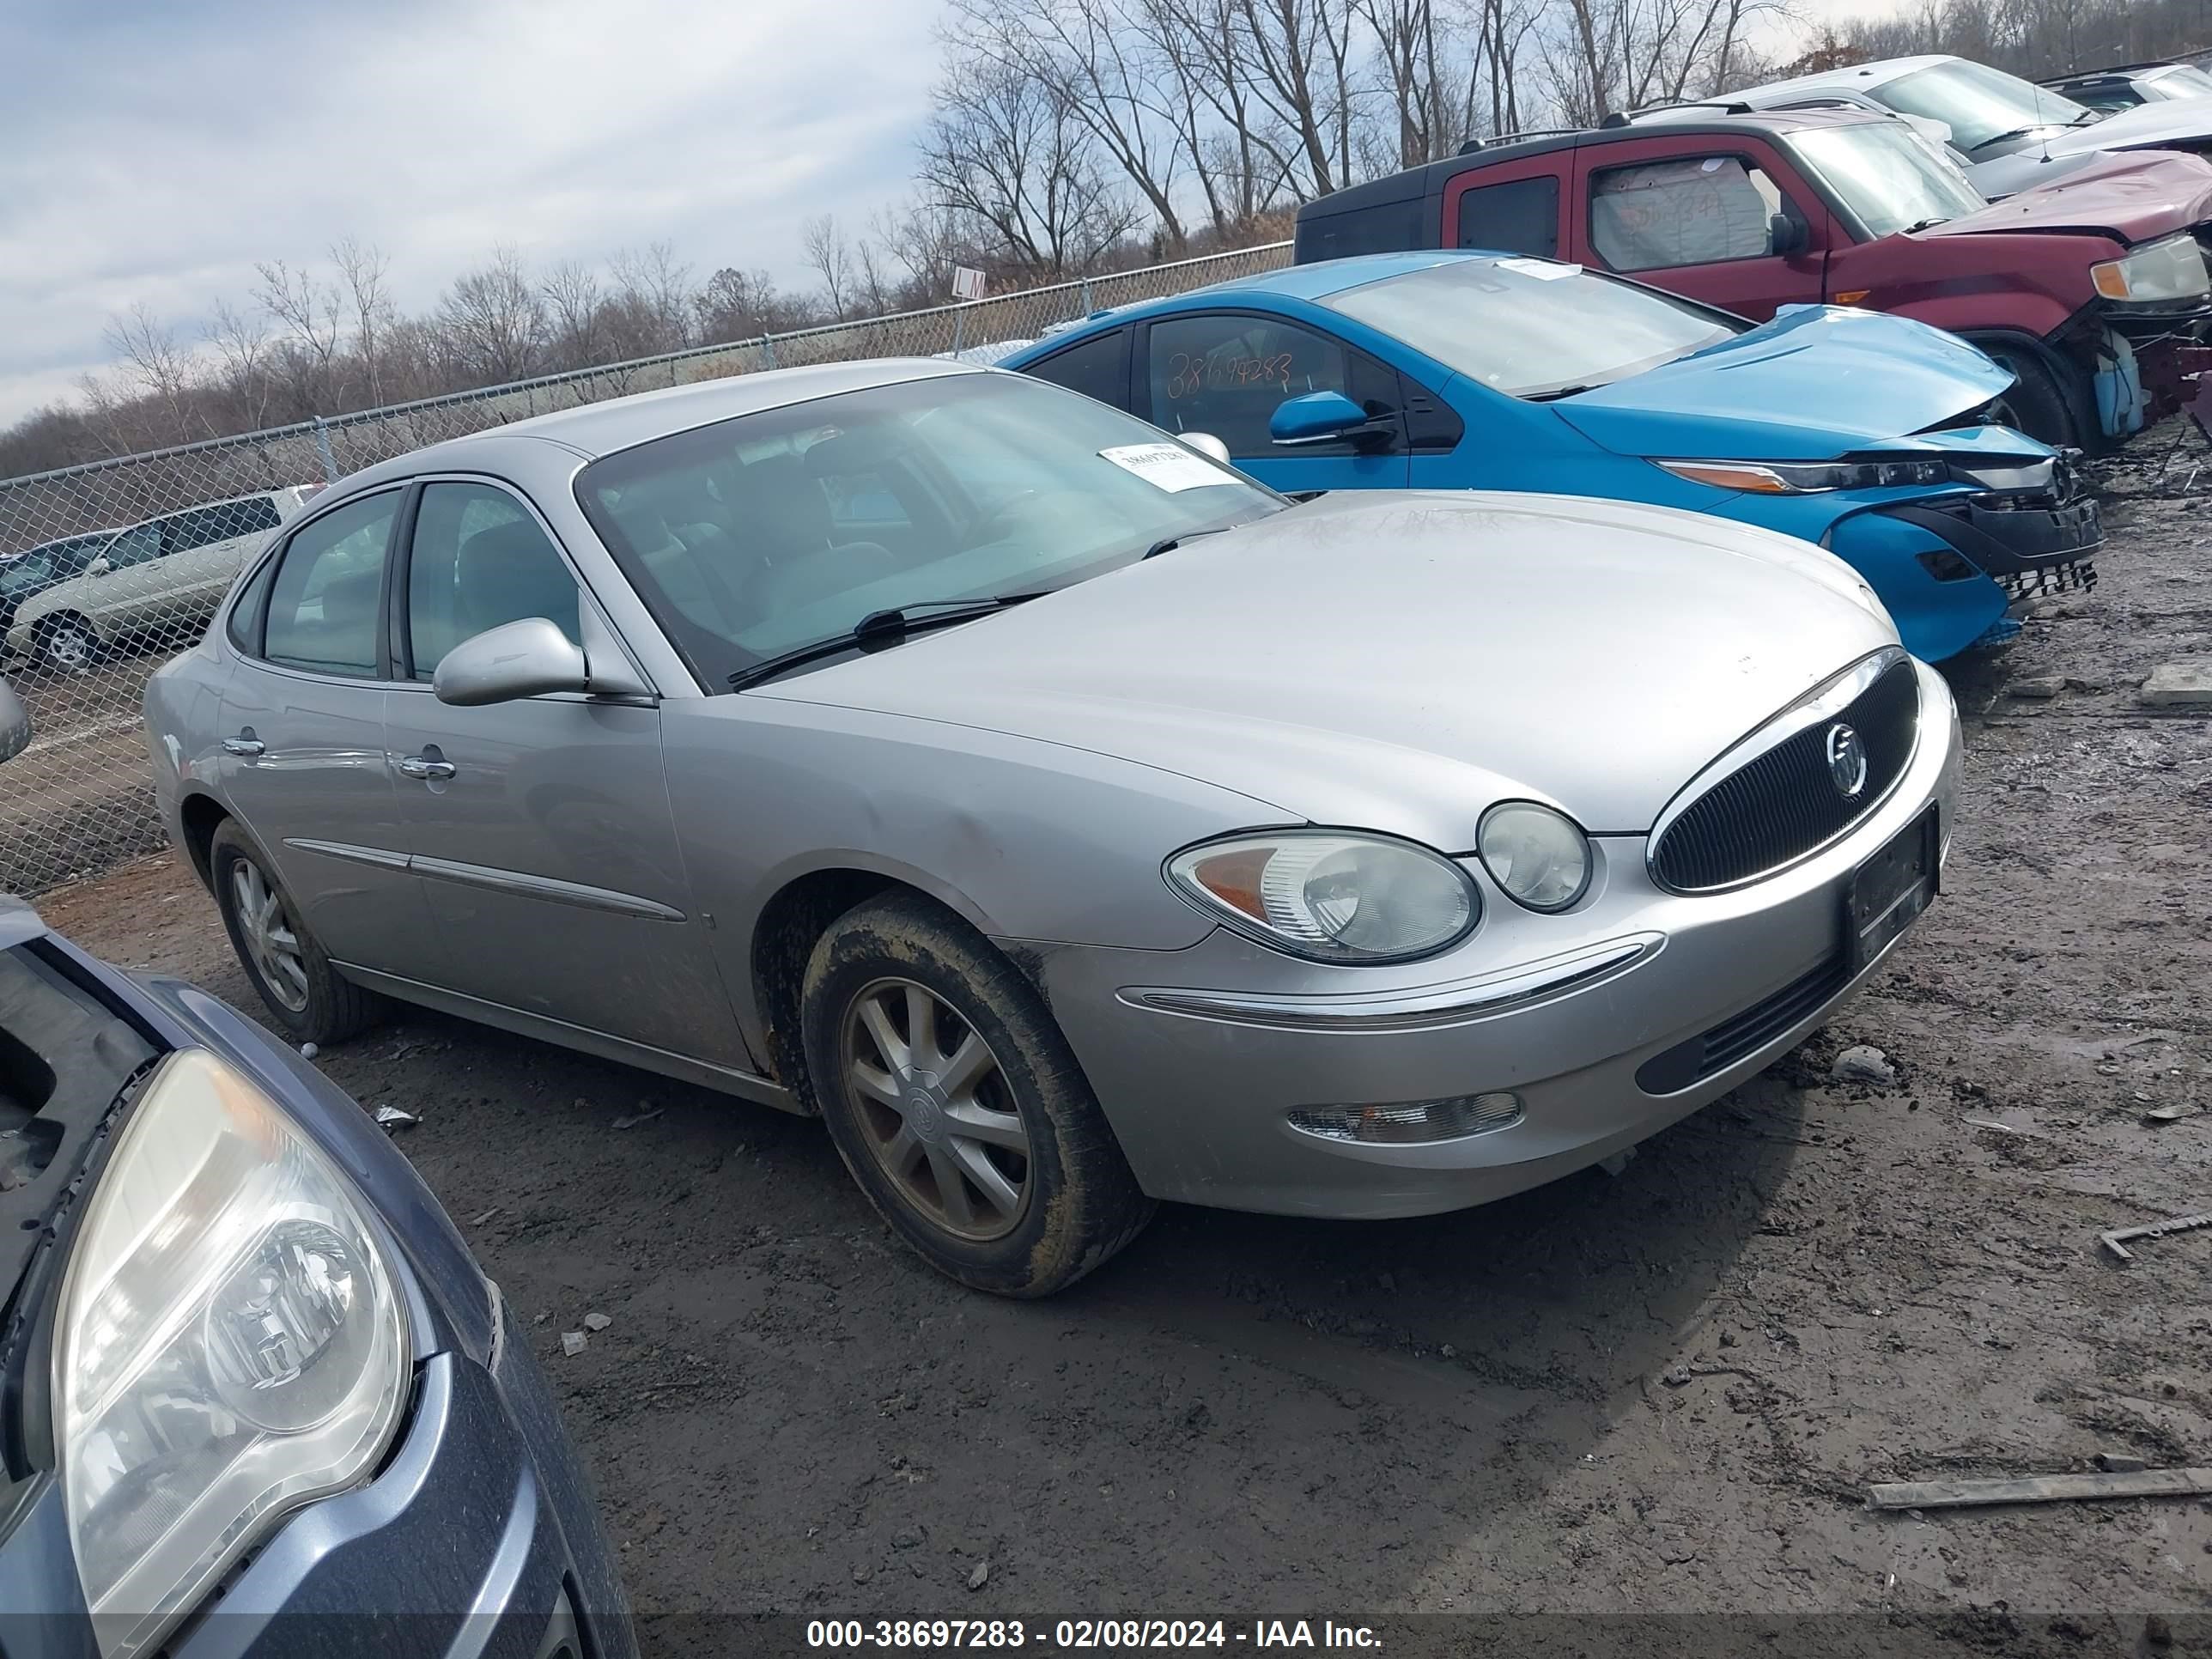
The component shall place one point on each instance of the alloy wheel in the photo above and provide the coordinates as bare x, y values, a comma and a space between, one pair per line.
935, 1108
68, 649
272, 938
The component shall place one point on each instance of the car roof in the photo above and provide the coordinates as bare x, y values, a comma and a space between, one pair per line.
1685, 120
591, 430
1862, 77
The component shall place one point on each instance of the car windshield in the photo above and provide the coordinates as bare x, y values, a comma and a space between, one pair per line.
1980, 105
1533, 328
769, 532
1886, 176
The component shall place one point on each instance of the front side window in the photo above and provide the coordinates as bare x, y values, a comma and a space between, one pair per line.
1226, 374
1530, 328
774, 531
1983, 107
1886, 176
1521, 215
1688, 210
328, 590
479, 561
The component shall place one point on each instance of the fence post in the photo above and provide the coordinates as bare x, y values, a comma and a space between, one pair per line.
1087, 307
768, 350
959, 329
323, 446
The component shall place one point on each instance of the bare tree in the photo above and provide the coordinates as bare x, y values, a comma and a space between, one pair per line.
575, 303
306, 311
1299, 66
494, 318
362, 271
155, 364
830, 259
651, 306
239, 341
1004, 152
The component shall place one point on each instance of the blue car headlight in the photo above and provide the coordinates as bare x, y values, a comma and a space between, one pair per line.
1808, 477
230, 1345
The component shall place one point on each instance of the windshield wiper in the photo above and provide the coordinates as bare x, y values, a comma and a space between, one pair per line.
1169, 543
2006, 137
1925, 224
893, 623
1558, 392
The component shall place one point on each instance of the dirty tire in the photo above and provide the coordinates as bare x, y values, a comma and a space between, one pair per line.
331, 1007
2034, 403
1082, 1204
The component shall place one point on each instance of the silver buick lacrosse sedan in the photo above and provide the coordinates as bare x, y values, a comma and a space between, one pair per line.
1070, 822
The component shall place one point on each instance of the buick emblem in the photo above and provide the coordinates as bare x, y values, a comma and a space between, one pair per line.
1847, 760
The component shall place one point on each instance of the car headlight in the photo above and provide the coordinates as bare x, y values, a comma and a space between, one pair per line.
1539, 856
2162, 273
1807, 478
1331, 896
230, 1345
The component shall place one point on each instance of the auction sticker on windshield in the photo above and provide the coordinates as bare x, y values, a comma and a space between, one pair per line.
1166, 466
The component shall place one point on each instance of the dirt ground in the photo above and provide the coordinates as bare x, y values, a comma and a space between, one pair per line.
1661, 1392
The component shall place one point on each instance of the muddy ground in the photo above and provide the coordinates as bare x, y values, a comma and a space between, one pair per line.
1663, 1392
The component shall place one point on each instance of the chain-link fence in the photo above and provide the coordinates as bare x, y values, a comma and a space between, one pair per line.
109, 569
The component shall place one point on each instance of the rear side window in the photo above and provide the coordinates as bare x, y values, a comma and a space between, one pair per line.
1225, 374
252, 606
479, 561
1521, 215
1691, 210
328, 590
1097, 368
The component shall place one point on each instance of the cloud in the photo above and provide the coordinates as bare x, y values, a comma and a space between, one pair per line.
155, 153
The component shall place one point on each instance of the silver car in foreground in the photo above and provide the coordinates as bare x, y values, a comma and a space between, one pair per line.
1070, 822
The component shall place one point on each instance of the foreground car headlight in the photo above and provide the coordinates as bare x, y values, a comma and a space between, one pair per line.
1540, 857
1330, 894
1807, 477
230, 1345
2162, 273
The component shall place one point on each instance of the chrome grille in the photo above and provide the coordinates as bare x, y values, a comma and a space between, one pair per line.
1784, 803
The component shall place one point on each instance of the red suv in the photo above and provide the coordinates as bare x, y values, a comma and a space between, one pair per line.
2093, 290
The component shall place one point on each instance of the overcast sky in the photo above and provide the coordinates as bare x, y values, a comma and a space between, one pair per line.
156, 151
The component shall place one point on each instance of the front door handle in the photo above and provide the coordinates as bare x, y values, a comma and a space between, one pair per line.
245, 747
428, 769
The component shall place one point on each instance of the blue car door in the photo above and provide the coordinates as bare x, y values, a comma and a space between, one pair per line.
1226, 372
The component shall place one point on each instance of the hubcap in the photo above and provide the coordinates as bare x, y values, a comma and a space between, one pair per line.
272, 938
935, 1109
68, 648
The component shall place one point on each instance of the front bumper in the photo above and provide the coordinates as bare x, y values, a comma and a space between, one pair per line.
2030, 547
1199, 1081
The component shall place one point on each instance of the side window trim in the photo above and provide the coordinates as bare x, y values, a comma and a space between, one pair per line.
282, 550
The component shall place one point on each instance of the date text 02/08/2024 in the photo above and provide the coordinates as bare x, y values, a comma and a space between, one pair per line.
1081, 1634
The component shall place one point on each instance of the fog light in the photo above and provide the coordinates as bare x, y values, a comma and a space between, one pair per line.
1408, 1122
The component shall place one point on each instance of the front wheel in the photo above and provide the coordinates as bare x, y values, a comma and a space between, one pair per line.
67, 645
2035, 403
957, 1105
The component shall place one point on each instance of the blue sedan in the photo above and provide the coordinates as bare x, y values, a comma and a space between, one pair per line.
259, 1399
1438, 370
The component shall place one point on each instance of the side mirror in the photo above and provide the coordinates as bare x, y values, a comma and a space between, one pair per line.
1208, 446
99, 567
525, 659
1316, 417
1786, 234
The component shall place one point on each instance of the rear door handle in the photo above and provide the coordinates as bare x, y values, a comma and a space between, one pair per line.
426, 767
245, 747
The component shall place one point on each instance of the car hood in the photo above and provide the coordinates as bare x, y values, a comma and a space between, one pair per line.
2133, 197
1399, 660
1816, 382
2182, 123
